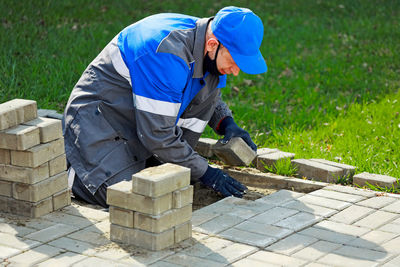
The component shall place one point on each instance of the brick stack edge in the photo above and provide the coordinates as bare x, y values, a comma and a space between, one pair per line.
33, 176
154, 210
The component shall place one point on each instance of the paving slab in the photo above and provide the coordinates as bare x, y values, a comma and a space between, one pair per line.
292, 244
351, 214
268, 257
333, 259
316, 250
377, 219
338, 195
377, 202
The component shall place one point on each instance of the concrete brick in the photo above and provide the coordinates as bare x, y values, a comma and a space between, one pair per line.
304, 186
342, 228
57, 165
324, 202
393, 262
394, 207
299, 221
7, 252
250, 238
338, 195
141, 238
92, 237
263, 151
258, 179
351, 190
65, 259
63, 218
264, 229
23, 174
50, 129
51, 233
61, 199
73, 245
375, 179
276, 258
183, 231
40, 190
348, 170
199, 217
351, 214
181, 259
17, 242
376, 219
273, 215
87, 212
5, 156
280, 197
328, 235
8, 116
5, 188
291, 244
310, 208
39, 154
218, 224
392, 245
26, 110
20, 137
34, 256
183, 197
390, 227
236, 152
232, 253
164, 221
377, 202
26, 208
15, 228
317, 171
373, 239
120, 195
121, 216
95, 262
334, 259
316, 250
204, 147
160, 180
205, 247
270, 159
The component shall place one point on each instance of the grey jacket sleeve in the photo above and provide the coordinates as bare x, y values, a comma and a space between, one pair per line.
221, 111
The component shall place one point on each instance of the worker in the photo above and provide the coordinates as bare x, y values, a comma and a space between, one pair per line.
148, 96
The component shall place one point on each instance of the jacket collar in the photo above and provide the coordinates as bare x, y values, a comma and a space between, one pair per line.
198, 50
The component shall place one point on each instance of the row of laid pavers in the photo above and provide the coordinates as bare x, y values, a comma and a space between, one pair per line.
333, 226
237, 153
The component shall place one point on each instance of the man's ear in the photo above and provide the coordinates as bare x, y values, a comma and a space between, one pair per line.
211, 44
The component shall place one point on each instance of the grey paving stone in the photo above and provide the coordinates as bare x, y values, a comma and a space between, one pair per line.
392, 245
7, 252
100, 227
395, 262
316, 250
393, 207
199, 217
274, 215
96, 262
363, 253
64, 218
372, 240
310, 208
218, 224
87, 212
74, 246
164, 264
254, 263
351, 190
376, 219
280, 197
38, 223
16, 242
17, 230
314, 264
236, 152
327, 235
263, 151
342, 228
144, 257
348, 170
34, 256
397, 221
232, 253
333, 259
275, 258
246, 237
362, 179
264, 229
299, 221
292, 244
90, 237
338, 195
324, 202
391, 228
351, 214
377, 202
317, 171
187, 260
207, 246
243, 212
51, 233
62, 260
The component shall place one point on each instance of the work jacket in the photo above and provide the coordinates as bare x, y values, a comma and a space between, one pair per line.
144, 95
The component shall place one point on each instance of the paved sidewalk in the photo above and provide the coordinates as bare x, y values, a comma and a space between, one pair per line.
334, 226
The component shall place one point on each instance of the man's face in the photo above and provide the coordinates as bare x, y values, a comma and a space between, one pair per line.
225, 62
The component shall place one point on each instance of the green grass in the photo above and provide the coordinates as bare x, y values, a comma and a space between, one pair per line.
282, 167
332, 89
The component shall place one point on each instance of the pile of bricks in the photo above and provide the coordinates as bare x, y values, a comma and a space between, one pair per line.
154, 211
33, 177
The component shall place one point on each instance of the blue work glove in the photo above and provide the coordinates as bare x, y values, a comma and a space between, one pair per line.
230, 129
223, 183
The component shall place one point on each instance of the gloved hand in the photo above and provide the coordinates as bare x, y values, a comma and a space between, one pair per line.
230, 129
223, 183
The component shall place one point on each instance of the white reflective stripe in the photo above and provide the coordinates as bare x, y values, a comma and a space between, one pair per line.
193, 124
118, 62
71, 177
156, 106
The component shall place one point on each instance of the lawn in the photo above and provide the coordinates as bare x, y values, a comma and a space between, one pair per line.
331, 91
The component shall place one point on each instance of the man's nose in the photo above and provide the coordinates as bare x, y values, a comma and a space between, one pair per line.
235, 70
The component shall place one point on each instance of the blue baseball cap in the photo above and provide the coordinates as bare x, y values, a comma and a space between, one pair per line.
241, 32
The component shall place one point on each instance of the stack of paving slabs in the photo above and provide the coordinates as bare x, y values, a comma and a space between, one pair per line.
33, 177
154, 211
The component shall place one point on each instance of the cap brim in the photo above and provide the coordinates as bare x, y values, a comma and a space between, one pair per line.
254, 64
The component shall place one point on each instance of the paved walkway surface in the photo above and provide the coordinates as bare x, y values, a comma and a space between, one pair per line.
334, 226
